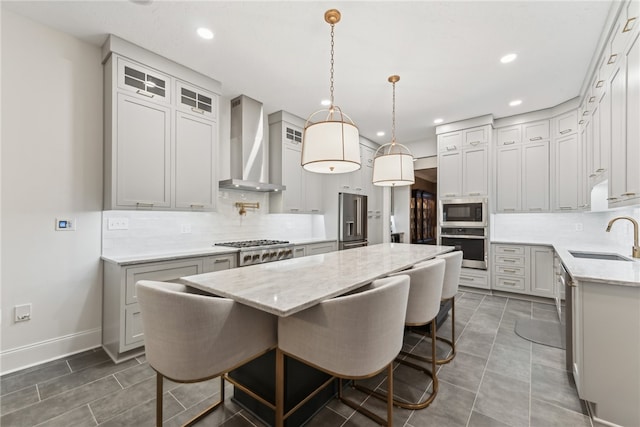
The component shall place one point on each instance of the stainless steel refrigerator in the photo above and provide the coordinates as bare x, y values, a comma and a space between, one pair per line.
352, 221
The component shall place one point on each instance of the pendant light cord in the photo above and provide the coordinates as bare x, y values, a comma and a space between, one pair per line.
331, 70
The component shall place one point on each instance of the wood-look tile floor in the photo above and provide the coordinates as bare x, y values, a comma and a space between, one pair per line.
496, 379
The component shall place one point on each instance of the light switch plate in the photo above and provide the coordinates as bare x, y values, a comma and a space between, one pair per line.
118, 224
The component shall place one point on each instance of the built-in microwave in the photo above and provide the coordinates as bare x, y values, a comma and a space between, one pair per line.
463, 212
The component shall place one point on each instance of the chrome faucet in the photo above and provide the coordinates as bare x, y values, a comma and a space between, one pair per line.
635, 251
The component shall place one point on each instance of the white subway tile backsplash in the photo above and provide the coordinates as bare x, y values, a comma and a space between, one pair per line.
157, 232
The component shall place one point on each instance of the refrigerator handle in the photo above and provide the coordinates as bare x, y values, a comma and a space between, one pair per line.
358, 201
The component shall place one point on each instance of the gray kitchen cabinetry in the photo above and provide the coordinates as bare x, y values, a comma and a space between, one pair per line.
523, 168
315, 248
474, 278
122, 335
160, 144
463, 166
303, 193
524, 269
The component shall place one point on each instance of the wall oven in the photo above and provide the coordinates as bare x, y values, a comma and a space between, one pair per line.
471, 212
472, 241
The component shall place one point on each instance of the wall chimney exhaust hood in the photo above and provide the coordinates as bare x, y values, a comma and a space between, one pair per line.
248, 155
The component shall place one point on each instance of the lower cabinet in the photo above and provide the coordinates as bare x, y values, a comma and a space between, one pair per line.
315, 248
474, 278
524, 269
122, 335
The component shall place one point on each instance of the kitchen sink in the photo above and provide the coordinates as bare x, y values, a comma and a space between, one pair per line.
599, 255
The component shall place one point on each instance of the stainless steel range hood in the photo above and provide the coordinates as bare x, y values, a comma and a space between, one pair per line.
248, 154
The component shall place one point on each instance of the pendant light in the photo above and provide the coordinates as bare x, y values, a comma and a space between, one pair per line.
393, 163
330, 141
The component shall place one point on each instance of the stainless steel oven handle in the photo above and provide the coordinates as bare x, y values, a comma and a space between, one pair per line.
465, 236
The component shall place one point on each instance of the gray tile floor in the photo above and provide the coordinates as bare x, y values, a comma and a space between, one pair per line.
497, 379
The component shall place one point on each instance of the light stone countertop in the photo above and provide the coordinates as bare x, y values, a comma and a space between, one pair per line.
288, 286
169, 256
620, 273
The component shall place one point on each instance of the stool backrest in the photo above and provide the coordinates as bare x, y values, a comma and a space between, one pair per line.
353, 335
189, 336
425, 292
451, 273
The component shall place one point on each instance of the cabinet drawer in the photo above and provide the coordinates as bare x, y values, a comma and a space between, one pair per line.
510, 260
508, 250
473, 279
133, 335
536, 131
197, 101
164, 272
510, 135
145, 82
508, 270
320, 248
510, 283
220, 262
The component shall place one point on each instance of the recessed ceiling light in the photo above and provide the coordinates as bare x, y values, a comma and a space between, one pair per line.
436, 121
325, 102
380, 133
508, 58
205, 33
515, 103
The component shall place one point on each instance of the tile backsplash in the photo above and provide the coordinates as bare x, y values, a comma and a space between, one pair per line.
157, 232
580, 229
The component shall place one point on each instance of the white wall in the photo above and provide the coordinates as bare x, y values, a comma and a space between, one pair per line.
426, 148
51, 167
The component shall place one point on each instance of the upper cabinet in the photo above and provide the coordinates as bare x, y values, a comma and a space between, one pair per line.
463, 162
522, 167
161, 133
303, 193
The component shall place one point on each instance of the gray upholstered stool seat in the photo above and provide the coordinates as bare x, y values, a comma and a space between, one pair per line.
352, 336
192, 337
452, 270
425, 293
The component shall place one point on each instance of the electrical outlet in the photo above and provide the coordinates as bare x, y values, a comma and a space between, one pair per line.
578, 226
23, 312
118, 224
185, 228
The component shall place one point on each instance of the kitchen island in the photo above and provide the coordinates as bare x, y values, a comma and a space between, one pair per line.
289, 286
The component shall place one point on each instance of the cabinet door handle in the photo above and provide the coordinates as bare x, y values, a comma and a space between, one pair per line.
144, 205
585, 113
509, 270
195, 206
145, 93
450, 195
474, 143
592, 175
535, 138
562, 132
471, 279
197, 110
535, 209
612, 58
506, 282
508, 250
580, 122
591, 99
509, 209
451, 147
565, 207
509, 260
612, 198
599, 83
294, 209
628, 27
474, 194
508, 142
218, 261
600, 170
628, 194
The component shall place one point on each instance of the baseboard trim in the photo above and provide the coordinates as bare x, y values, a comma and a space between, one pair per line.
44, 351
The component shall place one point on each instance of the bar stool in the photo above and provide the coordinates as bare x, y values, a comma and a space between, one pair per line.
355, 336
425, 293
192, 337
452, 270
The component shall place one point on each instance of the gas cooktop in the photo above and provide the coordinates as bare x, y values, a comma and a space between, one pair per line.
252, 243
